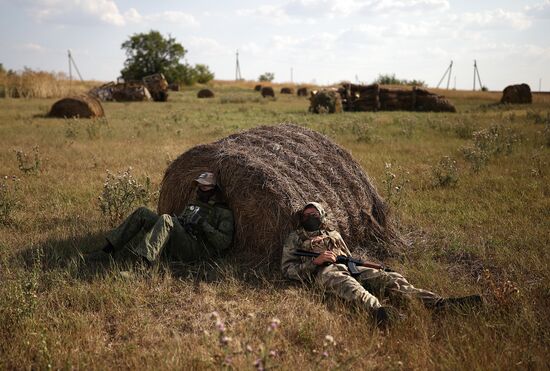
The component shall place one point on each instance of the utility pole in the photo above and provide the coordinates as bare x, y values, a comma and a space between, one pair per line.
238, 76
540, 84
72, 63
447, 73
476, 74
291, 74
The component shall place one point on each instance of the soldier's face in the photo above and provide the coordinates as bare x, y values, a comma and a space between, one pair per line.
205, 187
310, 212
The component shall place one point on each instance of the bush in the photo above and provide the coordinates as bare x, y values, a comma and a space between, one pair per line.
121, 194
28, 163
387, 79
268, 76
446, 172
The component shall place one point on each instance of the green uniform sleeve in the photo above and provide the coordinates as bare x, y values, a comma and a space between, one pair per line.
219, 236
296, 267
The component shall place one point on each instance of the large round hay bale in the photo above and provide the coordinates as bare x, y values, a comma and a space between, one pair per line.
325, 101
205, 93
302, 92
287, 90
517, 94
258, 87
434, 103
267, 91
267, 174
79, 106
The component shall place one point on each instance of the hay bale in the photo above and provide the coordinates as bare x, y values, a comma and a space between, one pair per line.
517, 94
302, 92
80, 106
258, 87
174, 86
267, 91
325, 101
287, 90
434, 103
267, 174
205, 93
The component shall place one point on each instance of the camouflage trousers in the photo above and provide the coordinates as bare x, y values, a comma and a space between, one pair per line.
370, 287
149, 235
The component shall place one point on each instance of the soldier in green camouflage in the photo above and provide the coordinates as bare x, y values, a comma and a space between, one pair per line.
369, 289
203, 230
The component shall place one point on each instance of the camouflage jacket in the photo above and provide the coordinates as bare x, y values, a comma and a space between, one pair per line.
302, 268
216, 230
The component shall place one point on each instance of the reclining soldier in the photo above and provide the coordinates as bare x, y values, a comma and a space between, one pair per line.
368, 287
203, 230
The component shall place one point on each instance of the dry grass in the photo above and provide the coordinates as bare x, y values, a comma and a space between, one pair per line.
41, 84
54, 311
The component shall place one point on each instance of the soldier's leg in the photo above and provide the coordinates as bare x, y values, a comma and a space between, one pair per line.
336, 280
394, 286
155, 239
141, 219
183, 246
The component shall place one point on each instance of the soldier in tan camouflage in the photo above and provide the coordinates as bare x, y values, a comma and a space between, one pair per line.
204, 229
367, 288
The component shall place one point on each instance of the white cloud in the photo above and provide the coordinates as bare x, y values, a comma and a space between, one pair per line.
541, 10
497, 18
206, 46
33, 47
64, 12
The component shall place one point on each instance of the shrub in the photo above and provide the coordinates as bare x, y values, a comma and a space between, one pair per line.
390, 79
464, 130
268, 76
121, 194
28, 163
446, 172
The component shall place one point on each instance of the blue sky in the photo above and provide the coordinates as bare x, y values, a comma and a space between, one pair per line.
323, 41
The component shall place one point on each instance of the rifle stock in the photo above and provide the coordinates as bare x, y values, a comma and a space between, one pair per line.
351, 262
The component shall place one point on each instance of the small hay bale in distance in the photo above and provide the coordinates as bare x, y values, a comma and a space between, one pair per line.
174, 86
302, 92
258, 87
325, 101
287, 90
267, 174
78, 106
267, 91
517, 94
205, 93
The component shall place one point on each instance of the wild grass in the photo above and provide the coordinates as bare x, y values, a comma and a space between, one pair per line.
488, 233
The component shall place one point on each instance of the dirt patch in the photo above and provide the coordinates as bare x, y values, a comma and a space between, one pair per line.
267, 174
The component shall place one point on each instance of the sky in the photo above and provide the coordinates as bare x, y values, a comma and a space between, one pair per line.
306, 41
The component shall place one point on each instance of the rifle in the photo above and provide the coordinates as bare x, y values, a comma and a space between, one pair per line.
349, 261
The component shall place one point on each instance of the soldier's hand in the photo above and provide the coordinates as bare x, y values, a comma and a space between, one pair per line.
326, 257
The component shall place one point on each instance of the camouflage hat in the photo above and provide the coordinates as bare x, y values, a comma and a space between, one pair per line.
206, 178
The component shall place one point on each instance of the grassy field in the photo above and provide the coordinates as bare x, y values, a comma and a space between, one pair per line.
469, 190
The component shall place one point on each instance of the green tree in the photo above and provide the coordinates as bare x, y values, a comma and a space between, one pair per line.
148, 53
268, 76
203, 73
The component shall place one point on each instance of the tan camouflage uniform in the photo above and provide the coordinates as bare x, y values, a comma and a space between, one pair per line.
367, 289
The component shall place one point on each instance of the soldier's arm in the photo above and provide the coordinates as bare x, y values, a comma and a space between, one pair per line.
295, 267
219, 236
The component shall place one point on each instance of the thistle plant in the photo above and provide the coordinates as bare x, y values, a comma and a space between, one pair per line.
446, 172
28, 163
395, 181
122, 193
